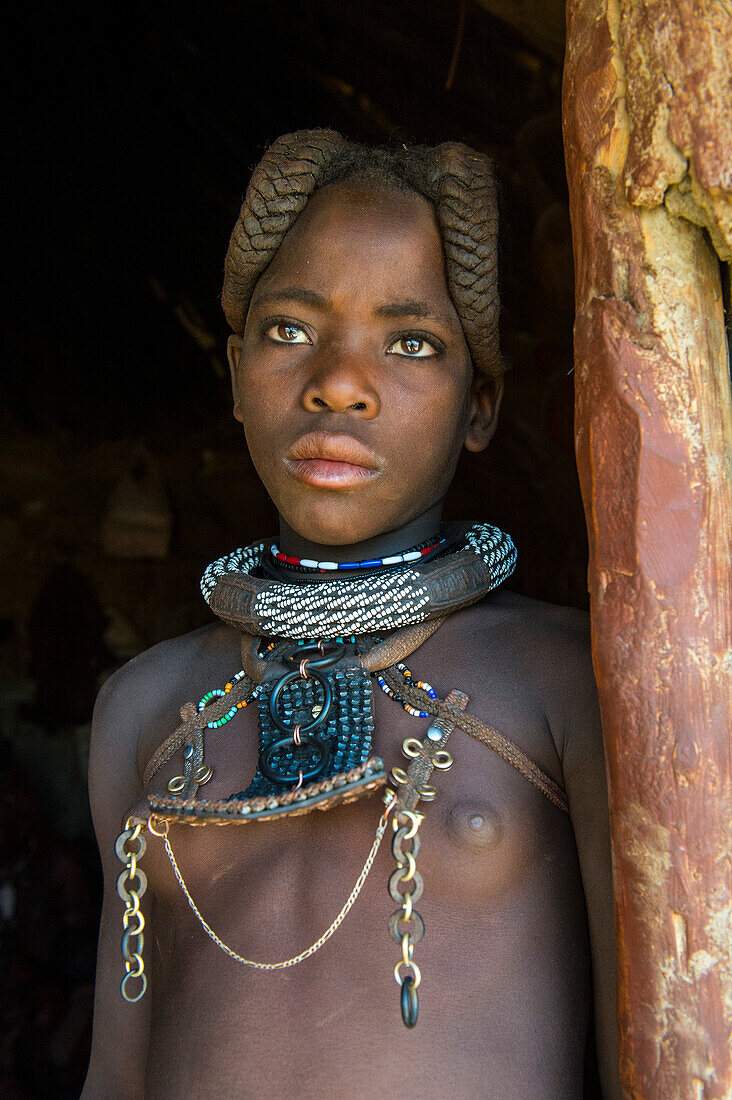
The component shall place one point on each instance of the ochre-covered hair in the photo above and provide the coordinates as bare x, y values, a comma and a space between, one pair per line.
457, 180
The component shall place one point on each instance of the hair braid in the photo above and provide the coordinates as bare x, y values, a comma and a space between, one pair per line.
467, 209
278, 191
457, 180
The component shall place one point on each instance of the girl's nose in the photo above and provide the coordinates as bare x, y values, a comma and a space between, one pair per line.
342, 383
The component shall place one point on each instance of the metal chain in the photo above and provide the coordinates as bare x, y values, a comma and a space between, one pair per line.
383, 821
406, 886
132, 953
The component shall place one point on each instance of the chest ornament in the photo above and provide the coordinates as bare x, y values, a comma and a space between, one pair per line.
408, 787
315, 706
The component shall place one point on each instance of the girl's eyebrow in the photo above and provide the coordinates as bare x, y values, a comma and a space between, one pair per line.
411, 308
407, 307
293, 294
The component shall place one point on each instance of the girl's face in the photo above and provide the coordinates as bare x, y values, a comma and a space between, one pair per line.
353, 380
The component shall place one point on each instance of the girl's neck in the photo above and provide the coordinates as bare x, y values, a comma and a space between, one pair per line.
380, 546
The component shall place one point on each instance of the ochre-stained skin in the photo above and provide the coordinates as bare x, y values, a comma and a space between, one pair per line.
648, 137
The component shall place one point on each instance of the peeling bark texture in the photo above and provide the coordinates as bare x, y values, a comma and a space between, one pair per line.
648, 143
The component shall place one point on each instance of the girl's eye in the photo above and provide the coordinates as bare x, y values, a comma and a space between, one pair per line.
285, 333
412, 347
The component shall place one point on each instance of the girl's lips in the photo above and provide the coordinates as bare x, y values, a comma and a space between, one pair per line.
326, 473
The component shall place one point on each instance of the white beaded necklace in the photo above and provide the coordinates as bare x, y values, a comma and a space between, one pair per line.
367, 604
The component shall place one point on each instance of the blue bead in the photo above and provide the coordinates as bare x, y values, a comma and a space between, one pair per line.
374, 561
349, 565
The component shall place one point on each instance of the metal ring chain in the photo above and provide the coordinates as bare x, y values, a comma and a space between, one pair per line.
405, 885
132, 953
381, 829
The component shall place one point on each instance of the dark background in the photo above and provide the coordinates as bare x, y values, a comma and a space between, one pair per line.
133, 132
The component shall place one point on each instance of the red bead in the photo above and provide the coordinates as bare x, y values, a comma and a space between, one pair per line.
290, 561
280, 556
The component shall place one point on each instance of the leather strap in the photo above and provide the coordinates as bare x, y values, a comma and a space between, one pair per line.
194, 722
481, 731
254, 665
422, 766
397, 647
400, 645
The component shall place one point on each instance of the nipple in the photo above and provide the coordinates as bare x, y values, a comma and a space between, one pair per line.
475, 825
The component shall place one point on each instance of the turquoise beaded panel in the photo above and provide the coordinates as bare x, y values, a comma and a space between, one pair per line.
348, 730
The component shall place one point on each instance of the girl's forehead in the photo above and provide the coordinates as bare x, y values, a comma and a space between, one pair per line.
362, 201
355, 233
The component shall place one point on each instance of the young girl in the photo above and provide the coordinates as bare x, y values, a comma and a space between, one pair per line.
368, 642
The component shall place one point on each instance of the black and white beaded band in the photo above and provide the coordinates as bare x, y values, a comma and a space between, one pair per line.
356, 605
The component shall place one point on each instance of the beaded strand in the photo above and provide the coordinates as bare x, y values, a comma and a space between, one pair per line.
342, 639
407, 674
415, 554
218, 693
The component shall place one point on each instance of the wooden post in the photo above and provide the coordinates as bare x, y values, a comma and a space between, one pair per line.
648, 142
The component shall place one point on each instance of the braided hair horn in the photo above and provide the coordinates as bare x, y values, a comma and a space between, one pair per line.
465, 195
281, 184
458, 181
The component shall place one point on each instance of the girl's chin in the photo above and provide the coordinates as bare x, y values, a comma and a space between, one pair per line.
336, 528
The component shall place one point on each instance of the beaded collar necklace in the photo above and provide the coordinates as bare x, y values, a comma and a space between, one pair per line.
476, 559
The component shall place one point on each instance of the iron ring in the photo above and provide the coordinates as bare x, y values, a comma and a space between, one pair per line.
280, 687
307, 773
416, 932
409, 1002
123, 988
397, 894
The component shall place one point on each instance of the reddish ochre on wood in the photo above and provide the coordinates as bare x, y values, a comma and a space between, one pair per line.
648, 142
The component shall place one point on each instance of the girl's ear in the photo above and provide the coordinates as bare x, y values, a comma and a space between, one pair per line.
234, 347
485, 402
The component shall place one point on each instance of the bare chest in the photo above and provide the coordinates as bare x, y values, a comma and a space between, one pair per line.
504, 959
502, 905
